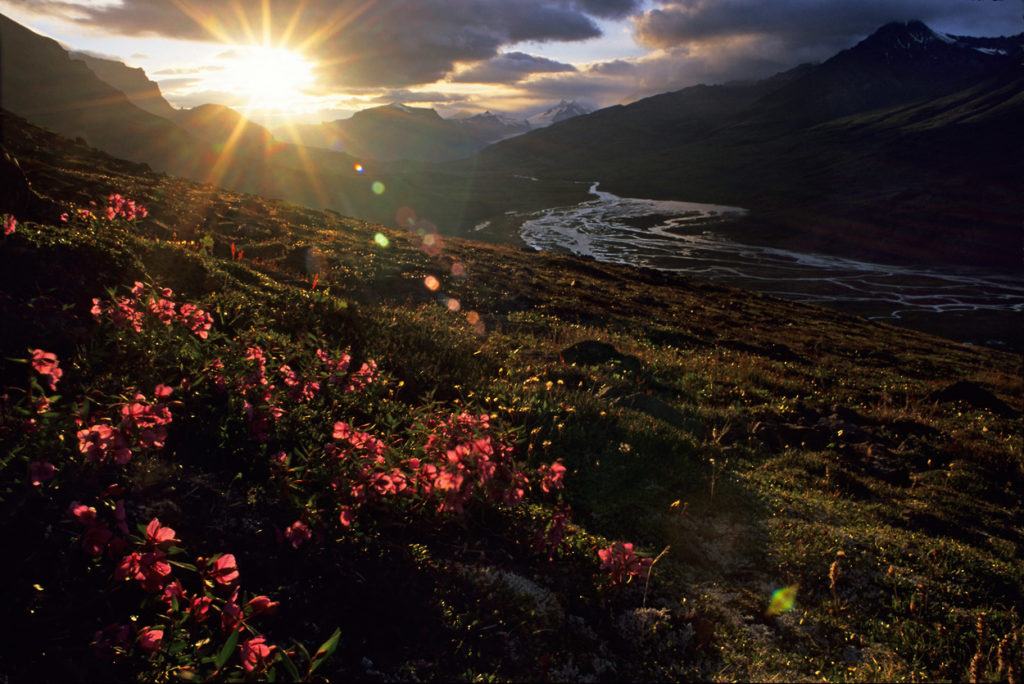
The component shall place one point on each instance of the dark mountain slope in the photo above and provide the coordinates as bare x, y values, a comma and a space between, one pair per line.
142, 92
42, 83
390, 133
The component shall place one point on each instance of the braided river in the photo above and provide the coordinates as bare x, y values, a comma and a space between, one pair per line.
967, 306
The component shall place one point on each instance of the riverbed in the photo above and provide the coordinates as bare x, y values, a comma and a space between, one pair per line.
967, 306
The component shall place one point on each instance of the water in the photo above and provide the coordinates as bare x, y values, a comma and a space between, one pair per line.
973, 307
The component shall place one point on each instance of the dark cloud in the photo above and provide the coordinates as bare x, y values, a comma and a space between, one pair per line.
510, 67
388, 43
409, 97
609, 9
804, 24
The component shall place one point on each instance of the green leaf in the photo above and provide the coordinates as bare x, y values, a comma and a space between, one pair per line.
325, 651
289, 666
228, 649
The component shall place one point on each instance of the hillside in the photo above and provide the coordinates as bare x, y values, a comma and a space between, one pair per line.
330, 431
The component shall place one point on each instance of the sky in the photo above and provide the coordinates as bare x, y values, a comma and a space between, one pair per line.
318, 60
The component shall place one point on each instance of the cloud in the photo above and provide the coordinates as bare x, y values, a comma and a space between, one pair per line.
189, 71
402, 96
510, 67
809, 24
386, 43
616, 67
609, 9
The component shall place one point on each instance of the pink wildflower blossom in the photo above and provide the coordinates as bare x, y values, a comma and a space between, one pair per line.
40, 472
9, 224
346, 516
150, 639
297, 534
200, 608
622, 563
157, 534
46, 364
552, 476
224, 570
262, 604
255, 654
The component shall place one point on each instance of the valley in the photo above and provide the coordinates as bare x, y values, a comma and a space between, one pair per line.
969, 305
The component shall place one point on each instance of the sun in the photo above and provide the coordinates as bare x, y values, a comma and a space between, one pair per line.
269, 77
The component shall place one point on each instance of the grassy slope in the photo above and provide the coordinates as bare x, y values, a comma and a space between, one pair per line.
763, 441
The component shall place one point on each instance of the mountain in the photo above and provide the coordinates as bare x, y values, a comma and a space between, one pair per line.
142, 92
489, 128
560, 112
399, 132
225, 126
42, 83
826, 157
899, 63
388, 133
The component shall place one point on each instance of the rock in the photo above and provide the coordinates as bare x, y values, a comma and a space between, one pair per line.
974, 395
785, 435
594, 353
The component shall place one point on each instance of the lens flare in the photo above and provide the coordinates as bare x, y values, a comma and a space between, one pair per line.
453, 304
381, 239
458, 270
358, 167
782, 601
473, 317
432, 283
378, 188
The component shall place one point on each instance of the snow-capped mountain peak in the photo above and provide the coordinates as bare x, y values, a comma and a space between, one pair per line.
560, 112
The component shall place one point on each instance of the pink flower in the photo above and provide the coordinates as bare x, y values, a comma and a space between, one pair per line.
64, 217
297, 534
262, 604
231, 613
9, 224
156, 535
255, 654
346, 516
95, 539
163, 392
173, 590
200, 607
622, 563
45, 363
224, 570
40, 472
86, 515
342, 430
150, 639
552, 476
148, 569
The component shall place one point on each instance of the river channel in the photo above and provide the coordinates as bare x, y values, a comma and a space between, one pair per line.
972, 307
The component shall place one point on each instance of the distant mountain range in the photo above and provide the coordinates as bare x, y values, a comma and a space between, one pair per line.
396, 131
903, 147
